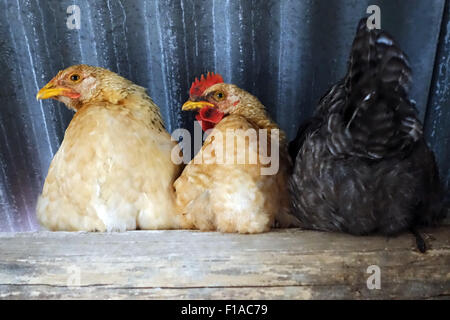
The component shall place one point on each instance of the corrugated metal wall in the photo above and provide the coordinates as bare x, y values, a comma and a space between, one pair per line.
285, 52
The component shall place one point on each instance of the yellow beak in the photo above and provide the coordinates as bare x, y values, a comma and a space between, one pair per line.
194, 105
50, 90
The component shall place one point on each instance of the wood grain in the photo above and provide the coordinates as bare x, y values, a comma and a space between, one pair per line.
282, 264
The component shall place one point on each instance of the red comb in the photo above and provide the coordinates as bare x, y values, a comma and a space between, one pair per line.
199, 86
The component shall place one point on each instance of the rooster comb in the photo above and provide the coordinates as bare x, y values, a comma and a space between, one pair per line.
199, 86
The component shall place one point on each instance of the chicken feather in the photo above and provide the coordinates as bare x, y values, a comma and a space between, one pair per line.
233, 196
113, 170
361, 163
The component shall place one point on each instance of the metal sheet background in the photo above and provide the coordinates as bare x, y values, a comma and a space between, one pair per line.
285, 52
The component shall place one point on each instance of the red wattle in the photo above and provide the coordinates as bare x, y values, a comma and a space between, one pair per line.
72, 94
204, 124
209, 117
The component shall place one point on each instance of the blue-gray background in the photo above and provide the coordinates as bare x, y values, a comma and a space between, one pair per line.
285, 52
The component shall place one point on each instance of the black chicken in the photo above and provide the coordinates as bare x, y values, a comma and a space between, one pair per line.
361, 163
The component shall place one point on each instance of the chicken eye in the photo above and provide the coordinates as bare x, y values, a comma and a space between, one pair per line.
219, 96
75, 77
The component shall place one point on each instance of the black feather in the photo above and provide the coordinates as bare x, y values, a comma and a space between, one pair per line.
361, 163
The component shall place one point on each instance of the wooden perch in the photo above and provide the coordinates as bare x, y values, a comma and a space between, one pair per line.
282, 264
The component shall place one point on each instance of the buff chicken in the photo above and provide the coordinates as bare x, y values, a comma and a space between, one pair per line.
362, 165
113, 170
236, 182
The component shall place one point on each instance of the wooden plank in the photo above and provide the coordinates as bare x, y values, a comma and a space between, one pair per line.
282, 264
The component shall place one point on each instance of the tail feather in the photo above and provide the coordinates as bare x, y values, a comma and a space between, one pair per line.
369, 112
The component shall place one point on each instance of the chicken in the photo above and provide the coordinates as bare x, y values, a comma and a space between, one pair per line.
113, 171
229, 185
361, 163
